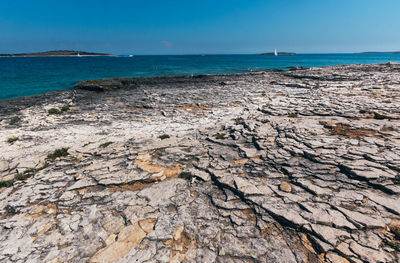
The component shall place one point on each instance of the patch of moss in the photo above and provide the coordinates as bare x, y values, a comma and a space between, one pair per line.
292, 115
220, 136
164, 136
186, 175
104, 145
12, 139
58, 153
14, 120
54, 111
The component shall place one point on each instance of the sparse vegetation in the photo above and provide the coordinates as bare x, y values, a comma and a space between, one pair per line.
12, 139
23, 176
8, 183
220, 136
86, 144
264, 93
104, 145
239, 121
54, 111
164, 136
394, 245
65, 108
396, 180
363, 111
58, 153
395, 229
14, 120
186, 175
292, 115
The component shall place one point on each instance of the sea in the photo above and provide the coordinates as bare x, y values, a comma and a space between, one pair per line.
24, 76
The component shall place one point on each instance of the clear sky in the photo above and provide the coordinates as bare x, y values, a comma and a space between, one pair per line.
199, 26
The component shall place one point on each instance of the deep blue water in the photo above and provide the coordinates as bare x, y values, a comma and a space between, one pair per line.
21, 76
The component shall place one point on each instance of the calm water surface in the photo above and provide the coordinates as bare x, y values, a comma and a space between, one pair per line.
22, 76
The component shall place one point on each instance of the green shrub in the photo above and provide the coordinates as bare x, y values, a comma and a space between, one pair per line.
58, 153
8, 183
292, 115
104, 145
396, 180
14, 120
54, 111
23, 176
12, 139
164, 136
186, 175
394, 245
220, 136
65, 108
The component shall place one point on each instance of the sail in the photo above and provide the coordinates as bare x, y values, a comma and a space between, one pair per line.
276, 53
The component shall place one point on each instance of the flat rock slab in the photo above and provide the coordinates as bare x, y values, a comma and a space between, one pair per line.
275, 166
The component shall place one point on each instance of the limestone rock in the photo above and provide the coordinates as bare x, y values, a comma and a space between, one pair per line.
275, 166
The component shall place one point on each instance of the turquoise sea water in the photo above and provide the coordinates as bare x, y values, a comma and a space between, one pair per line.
22, 76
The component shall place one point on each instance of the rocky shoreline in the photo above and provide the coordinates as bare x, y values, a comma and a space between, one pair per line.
276, 166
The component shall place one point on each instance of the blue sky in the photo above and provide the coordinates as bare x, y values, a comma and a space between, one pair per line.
192, 27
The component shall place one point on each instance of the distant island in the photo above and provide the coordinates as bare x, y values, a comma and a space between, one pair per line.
381, 52
58, 53
279, 53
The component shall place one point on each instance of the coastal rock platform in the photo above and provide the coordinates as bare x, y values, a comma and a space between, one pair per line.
276, 166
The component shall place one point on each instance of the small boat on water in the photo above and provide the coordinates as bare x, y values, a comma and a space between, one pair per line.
276, 52
130, 56
78, 54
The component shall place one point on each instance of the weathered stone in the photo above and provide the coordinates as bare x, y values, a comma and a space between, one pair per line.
285, 187
309, 171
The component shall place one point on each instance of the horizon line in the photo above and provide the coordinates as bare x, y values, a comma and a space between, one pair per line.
208, 54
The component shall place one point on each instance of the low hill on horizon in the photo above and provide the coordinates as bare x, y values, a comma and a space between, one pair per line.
54, 53
381, 52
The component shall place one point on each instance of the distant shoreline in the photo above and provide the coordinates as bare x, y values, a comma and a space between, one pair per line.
59, 53
381, 52
33, 56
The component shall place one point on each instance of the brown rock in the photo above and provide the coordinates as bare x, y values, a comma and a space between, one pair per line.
285, 187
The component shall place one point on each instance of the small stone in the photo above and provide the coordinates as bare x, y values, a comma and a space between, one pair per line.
285, 187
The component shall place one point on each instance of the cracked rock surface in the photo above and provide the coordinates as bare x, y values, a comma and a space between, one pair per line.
277, 166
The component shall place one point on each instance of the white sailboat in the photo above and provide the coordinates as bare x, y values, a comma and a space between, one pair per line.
276, 52
78, 54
